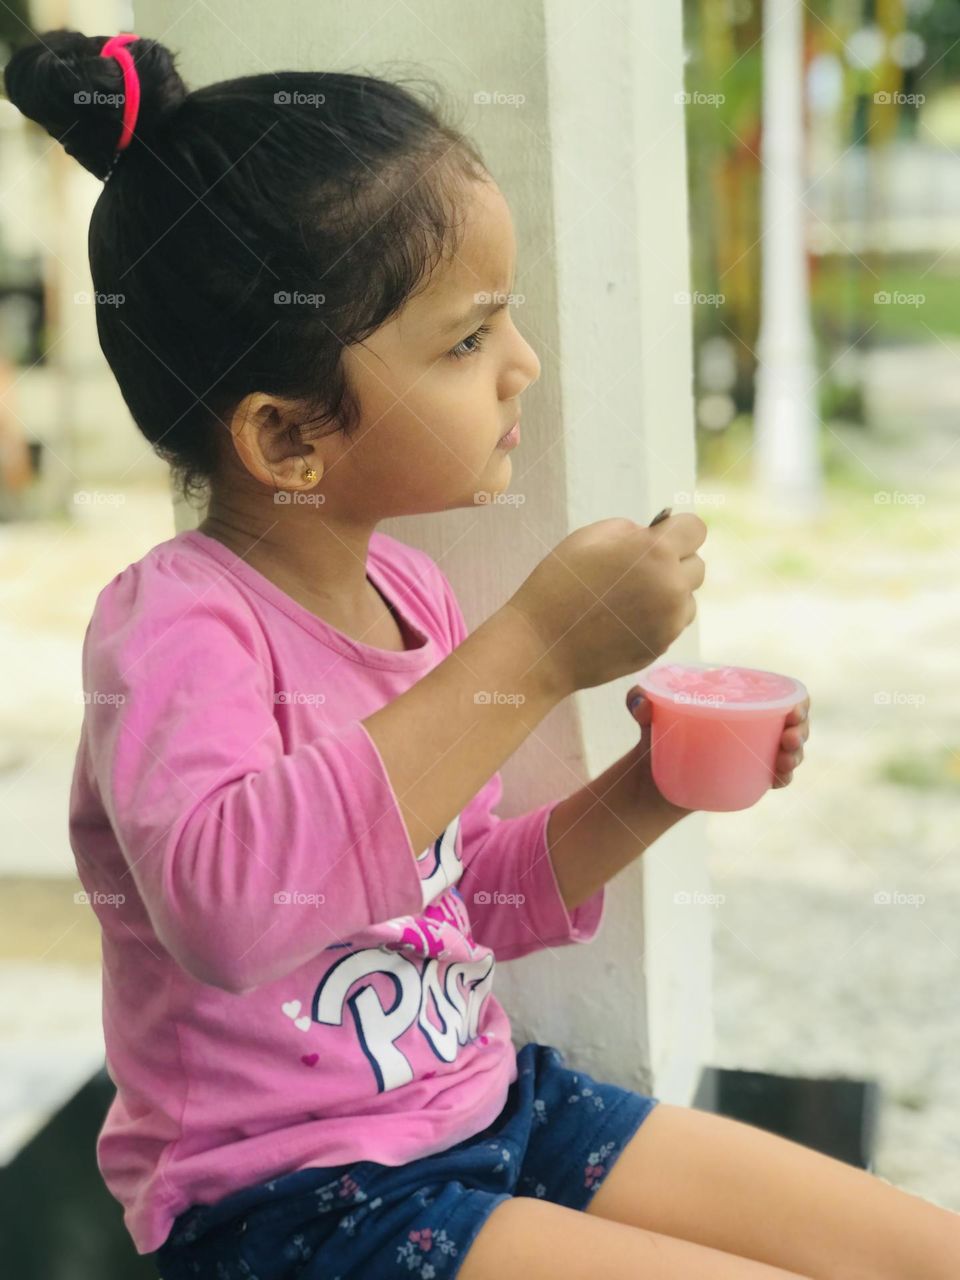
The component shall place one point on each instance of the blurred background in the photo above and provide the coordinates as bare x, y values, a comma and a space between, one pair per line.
827, 387
834, 555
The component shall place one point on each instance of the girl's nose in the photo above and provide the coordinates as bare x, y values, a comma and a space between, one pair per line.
525, 365
532, 361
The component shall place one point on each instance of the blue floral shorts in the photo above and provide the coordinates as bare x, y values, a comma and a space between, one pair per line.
556, 1138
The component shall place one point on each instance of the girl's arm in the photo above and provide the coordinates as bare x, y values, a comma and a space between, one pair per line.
250, 861
509, 886
606, 825
445, 737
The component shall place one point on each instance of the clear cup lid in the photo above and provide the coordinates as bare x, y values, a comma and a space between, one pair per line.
656, 682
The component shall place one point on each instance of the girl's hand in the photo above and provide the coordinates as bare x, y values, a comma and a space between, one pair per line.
639, 707
796, 730
795, 733
642, 712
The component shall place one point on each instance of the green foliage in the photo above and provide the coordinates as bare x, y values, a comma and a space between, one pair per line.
923, 770
940, 27
840, 400
791, 563
14, 25
844, 289
724, 139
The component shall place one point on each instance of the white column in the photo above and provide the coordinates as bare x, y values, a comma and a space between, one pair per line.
787, 459
592, 161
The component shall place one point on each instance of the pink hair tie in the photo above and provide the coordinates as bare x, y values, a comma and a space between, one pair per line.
115, 48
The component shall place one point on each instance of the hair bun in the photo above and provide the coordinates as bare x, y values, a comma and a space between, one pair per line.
63, 83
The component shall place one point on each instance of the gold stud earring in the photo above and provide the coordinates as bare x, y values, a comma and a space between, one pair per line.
310, 476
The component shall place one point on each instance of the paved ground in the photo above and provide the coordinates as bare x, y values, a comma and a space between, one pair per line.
50, 575
813, 975
51, 572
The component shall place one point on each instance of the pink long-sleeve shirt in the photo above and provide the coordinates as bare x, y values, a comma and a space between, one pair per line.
286, 981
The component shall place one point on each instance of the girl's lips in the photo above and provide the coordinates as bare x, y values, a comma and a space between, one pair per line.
512, 438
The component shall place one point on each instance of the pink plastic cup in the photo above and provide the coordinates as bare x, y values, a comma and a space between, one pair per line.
715, 731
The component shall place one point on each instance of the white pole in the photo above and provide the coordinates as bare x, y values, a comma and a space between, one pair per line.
787, 459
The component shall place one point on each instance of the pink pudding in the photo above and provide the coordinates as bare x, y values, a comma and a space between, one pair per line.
715, 731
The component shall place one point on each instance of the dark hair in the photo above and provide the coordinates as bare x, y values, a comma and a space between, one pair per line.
292, 182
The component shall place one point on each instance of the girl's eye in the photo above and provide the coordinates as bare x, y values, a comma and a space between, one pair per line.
458, 351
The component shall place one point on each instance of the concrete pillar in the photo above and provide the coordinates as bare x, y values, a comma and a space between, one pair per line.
592, 161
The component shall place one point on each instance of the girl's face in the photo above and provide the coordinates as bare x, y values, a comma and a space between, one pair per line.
439, 384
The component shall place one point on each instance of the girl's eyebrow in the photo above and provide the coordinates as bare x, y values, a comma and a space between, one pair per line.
479, 310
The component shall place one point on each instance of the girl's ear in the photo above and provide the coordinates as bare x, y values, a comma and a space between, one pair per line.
266, 439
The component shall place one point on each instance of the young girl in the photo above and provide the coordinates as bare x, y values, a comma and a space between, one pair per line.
282, 804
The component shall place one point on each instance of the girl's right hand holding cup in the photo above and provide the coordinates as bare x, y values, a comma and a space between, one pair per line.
611, 597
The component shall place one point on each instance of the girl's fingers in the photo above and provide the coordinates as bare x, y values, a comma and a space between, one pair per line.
787, 761
799, 713
641, 709
793, 738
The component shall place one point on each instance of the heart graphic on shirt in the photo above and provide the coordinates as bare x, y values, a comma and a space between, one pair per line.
291, 1008
303, 1023
310, 1059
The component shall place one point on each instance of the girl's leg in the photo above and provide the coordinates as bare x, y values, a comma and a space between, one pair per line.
731, 1186
529, 1239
